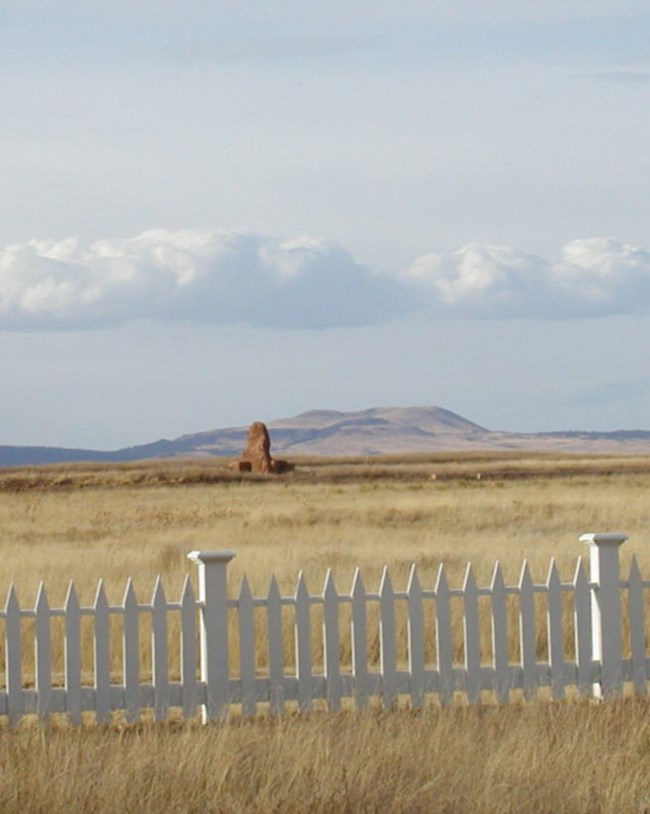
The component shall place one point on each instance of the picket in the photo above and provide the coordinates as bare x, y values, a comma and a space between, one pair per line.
443, 638
528, 656
387, 639
188, 648
500, 636
275, 649
131, 655
43, 661
102, 656
159, 652
73, 655
472, 635
331, 648
403, 673
303, 645
13, 658
415, 638
555, 634
637, 636
246, 650
582, 629
359, 640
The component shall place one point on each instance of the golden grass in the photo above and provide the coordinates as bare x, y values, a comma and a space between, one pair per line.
133, 520
140, 520
570, 758
284, 525
415, 467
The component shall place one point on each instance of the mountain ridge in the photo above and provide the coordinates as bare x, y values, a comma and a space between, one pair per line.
374, 431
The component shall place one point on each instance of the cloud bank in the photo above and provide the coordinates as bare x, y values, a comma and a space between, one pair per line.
223, 277
211, 276
591, 278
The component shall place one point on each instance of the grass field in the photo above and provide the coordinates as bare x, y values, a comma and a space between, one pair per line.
87, 522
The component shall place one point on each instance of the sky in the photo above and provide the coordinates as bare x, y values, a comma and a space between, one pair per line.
214, 213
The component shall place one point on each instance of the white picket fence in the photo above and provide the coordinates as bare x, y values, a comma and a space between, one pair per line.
204, 680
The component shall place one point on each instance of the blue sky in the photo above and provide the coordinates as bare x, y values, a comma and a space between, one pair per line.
215, 213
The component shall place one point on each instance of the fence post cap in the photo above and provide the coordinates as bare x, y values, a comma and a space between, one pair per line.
210, 557
609, 538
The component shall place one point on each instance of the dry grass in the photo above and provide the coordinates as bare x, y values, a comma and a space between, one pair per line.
86, 522
282, 526
415, 467
571, 758
140, 520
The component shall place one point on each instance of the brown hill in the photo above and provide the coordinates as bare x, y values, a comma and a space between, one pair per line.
376, 431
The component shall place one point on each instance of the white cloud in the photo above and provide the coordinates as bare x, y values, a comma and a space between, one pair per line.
211, 276
225, 277
477, 280
602, 276
594, 277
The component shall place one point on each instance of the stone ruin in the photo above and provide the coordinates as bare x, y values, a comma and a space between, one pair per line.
256, 458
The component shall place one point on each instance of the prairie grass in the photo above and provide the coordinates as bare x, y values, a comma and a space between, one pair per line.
140, 520
284, 526
546, 758
133, 521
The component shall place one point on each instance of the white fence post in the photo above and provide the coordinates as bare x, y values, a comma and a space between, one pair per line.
213, 600
606, 609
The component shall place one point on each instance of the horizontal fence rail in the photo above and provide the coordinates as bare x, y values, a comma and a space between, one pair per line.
216, 653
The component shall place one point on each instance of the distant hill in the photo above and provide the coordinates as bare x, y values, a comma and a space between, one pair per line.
376, 431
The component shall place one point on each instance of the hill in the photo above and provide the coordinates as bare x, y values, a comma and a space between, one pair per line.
376, 431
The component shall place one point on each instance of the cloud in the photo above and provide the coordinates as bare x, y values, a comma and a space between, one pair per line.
211, 276
480, 280
592, 278
225, 277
